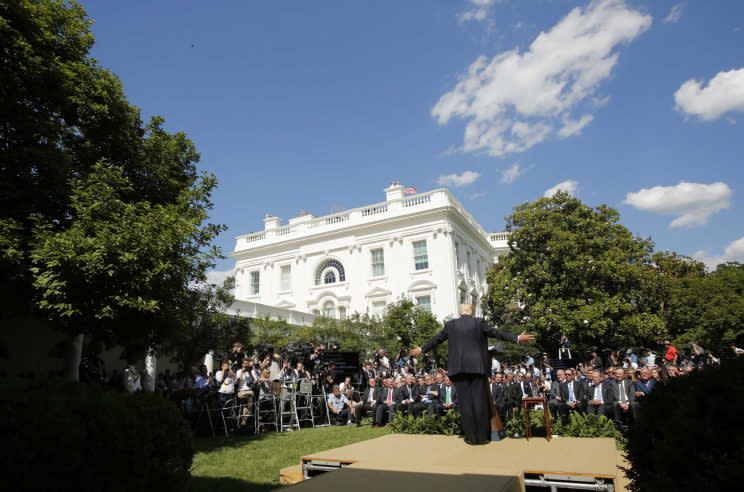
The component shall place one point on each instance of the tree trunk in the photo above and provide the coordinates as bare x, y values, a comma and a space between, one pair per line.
151, 371
73, 355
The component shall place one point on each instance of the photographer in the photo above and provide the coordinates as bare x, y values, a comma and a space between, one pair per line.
246, 388
301, 372
236, 355
287, 373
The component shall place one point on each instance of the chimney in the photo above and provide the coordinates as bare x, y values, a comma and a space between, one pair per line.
394, 191
271, 222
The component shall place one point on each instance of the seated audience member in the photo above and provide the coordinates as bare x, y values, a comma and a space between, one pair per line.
368, 403
407, 394
573, 393
386, 405
556, 403
625, 406
338, 407
523, 387
645, 384
428, 398
447, 397
601, 396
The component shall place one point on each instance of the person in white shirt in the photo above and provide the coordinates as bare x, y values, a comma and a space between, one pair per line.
226, 378
246, 389
495, 366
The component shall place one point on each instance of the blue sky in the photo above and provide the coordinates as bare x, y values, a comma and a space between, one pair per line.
321, 104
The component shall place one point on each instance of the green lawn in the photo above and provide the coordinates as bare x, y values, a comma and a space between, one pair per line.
253, 462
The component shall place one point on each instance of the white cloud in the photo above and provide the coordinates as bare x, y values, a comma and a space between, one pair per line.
674, 14
511, 173
574, 127
475, 196
217, 277
517, 99
691, 203
569, 186
724, 93
458, 180
733, 252
477, 10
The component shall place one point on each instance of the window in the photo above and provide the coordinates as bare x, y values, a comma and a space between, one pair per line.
424, 302
378, 308
329, 309
463, 296
342, 312
420, 256
286, 277
255, 282
378, 262
330, 272
470, 266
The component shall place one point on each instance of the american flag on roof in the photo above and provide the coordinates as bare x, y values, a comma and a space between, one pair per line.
409, 190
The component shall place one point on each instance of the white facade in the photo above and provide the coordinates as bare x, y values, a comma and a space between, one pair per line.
426, 247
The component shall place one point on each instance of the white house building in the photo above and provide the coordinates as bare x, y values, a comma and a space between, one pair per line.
426, 247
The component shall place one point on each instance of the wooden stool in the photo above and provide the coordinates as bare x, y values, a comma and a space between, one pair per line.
526, 411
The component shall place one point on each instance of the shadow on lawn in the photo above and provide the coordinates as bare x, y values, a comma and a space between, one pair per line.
225, 484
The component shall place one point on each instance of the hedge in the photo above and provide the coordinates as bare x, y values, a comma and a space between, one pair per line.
689, 435
60, 435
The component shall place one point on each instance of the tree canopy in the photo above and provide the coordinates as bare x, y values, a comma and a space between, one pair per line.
103, 218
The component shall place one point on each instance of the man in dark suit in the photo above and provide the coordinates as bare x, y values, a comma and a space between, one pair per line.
498, 394
408, 395
469, 367
386, 404
556, 400
601, 396
625, 406
573, 393
428, 398
447, 397
368, 403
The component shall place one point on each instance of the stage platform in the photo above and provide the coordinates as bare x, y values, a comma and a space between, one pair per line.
422, 462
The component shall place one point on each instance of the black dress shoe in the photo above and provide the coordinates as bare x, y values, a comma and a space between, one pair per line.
468, 441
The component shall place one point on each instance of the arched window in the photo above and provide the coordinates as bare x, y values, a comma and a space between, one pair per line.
329, 309
330, 272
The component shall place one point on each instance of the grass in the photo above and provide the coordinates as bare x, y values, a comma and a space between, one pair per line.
253, 462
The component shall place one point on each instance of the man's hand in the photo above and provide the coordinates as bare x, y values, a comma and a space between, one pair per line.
525, 338
416, 352
639, 394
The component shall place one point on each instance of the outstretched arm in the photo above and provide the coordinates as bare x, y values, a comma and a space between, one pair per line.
505, 335
438, 338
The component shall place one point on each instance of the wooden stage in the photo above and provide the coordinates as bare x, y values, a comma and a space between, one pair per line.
423, 462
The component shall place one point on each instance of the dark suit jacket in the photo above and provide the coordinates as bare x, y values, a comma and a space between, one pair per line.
609, 392
375, 395
629, 390
499, 394
383, 395
453, 393
402, 393
578, 389
468, 344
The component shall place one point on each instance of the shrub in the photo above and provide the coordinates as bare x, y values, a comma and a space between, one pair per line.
689, 434
579, 425
60, 435
515, 424
448, 424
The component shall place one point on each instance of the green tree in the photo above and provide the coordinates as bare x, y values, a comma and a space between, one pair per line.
575, 270
102, 218
708, 309
205, 324
405, 325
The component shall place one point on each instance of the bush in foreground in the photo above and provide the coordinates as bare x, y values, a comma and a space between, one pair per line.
61, 435
689, 435
448, 425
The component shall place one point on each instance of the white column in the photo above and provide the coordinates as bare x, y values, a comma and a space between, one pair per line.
151, 371
73, 356
209, 361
